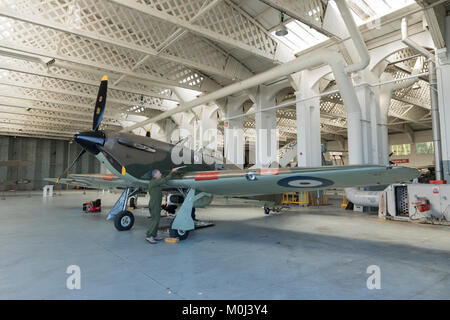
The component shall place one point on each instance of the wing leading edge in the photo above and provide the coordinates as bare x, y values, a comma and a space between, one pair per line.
95, 181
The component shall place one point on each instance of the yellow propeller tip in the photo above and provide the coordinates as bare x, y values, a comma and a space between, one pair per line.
123, 171
105, 78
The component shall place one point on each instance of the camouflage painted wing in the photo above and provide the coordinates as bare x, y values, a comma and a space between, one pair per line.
94, 181
275, 181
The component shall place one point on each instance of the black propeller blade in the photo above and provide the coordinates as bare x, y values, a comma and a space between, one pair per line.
90, 138
73, 163
115, 162
100, 103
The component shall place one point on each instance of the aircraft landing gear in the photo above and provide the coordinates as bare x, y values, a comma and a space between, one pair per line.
176, 233
266, 210
124, 221
183, 221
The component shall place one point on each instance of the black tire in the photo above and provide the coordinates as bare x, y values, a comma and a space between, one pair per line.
266, 210
124, 221
349, 206
180, 234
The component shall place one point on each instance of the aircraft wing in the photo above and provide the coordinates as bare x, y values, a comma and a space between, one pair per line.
94, 181
275, 181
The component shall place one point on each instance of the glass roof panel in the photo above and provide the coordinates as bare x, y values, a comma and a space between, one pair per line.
300, 36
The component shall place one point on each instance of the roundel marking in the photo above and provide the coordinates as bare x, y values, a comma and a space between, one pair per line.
304, 182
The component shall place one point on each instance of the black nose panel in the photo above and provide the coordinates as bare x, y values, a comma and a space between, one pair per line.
90, 140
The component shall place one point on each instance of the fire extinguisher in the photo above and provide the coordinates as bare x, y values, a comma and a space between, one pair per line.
422, 204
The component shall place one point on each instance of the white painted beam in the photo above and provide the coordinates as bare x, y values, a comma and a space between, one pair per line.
198, 29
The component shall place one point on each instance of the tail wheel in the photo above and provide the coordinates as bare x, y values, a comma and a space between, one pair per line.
180, 234
124, 221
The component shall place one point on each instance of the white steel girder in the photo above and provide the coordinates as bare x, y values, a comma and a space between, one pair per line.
183, 77
87, 93
6, 124
225, 23
32, 134
113, 25
35, 40
54, 96
86, 78
49, 107
47, 122
309, 12
397, 109
435, 18
40, 114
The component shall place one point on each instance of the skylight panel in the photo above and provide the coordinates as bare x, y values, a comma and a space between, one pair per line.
368, 10
300, 36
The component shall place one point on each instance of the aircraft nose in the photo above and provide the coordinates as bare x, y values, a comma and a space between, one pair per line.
90, 140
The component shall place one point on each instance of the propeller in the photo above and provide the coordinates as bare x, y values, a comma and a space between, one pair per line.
100, 103
389, 157
71, 165
90, 140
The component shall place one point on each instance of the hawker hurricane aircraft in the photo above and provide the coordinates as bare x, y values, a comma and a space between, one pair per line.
132, 158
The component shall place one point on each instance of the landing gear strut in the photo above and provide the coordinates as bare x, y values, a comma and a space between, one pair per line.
183, 221
123, 219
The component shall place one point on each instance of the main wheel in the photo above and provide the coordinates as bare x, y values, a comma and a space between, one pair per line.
124, 221
266, 210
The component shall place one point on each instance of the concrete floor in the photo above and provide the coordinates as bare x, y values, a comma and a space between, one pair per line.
304, 253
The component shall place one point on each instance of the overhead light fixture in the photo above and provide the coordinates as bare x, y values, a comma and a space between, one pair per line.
416, 86
282, 31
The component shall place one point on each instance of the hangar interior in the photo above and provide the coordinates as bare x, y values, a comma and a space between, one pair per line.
264, 84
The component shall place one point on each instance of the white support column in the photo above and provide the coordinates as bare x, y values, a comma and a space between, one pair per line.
309, 153
234, 143
266, 128
375, 114
443, 79
385, 102
370, 114
383, 96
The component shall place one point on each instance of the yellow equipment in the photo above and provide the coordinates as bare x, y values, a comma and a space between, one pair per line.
300, 198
